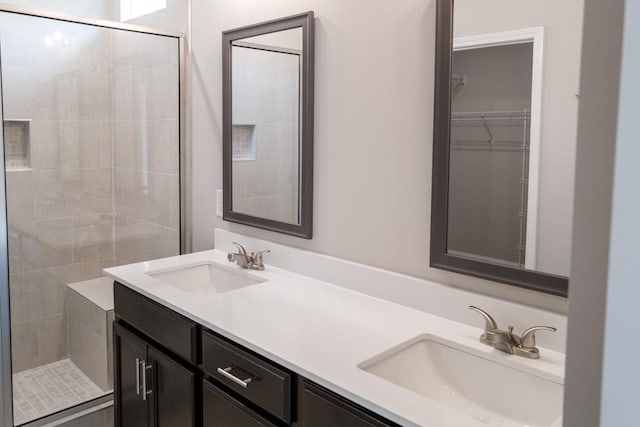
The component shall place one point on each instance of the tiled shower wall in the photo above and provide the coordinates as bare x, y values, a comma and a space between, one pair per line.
146, 184
103, 107
60, 212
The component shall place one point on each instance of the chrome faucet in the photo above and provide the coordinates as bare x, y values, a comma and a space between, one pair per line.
244, 260
507, 341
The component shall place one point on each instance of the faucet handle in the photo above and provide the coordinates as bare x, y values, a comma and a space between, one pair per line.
258, 263
490, 324
528, 338
241, 249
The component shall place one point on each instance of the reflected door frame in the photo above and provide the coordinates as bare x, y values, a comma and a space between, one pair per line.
534, 35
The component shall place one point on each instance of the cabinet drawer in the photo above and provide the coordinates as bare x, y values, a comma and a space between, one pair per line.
320, 408
256, 379
171, 330
222, 410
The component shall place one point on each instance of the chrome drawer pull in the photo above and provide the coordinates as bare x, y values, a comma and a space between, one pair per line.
226, 372
145, 367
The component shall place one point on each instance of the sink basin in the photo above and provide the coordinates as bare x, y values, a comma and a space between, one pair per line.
204, 277
485, 389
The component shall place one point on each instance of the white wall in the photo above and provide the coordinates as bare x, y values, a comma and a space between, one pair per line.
373, 134
562, 22
592, 217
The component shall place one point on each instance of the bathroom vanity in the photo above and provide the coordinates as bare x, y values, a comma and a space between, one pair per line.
200, 341
172, 371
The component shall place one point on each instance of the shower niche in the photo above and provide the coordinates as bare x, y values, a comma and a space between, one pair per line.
17, 149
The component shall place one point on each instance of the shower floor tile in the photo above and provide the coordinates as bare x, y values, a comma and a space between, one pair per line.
50, 388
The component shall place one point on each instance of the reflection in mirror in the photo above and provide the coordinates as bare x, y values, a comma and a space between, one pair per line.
268, 125
506, 112
512, 135
266, 102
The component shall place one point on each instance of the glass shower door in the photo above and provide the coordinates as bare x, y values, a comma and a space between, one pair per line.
91, 123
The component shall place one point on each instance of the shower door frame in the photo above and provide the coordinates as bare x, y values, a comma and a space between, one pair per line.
6, 386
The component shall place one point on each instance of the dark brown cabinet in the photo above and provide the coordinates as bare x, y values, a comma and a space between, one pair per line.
151, 388
222, 410
321, 408
171, 372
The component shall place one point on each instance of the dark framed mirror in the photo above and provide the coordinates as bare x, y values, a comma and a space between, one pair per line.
505, 115
267, 125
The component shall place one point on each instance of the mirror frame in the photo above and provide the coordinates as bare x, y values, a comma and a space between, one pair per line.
304, 227
439, 258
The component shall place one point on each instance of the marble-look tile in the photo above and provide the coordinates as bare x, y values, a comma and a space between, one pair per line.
42, 293
88, 352
45, 243
145, 195
277, 142
70, 144
24, 346
19, 187
272, 177
133, 51
92, 237
141, 241
147, 145
147, 94
74, 192
109, 417
35, 295
27, 93
86, 314
53, 338
81, 95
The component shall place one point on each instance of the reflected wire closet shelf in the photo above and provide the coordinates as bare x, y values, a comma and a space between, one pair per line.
494, 130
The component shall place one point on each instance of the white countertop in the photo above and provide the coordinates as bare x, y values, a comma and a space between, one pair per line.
323, 332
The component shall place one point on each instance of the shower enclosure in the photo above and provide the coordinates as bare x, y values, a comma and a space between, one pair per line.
92, 131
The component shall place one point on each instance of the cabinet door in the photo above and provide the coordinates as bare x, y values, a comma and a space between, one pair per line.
321, 409
222, 410
129, 354
172, 391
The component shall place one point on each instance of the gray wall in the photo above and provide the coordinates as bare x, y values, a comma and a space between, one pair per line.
373, 133
592, 219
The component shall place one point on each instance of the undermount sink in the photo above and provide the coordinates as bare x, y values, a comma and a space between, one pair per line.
204, 277
485, 389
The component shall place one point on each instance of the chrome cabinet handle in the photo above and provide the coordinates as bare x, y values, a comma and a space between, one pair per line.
145, 368
226, 372
137, 376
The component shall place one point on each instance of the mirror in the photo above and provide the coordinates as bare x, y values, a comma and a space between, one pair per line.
506, 112
268, 125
